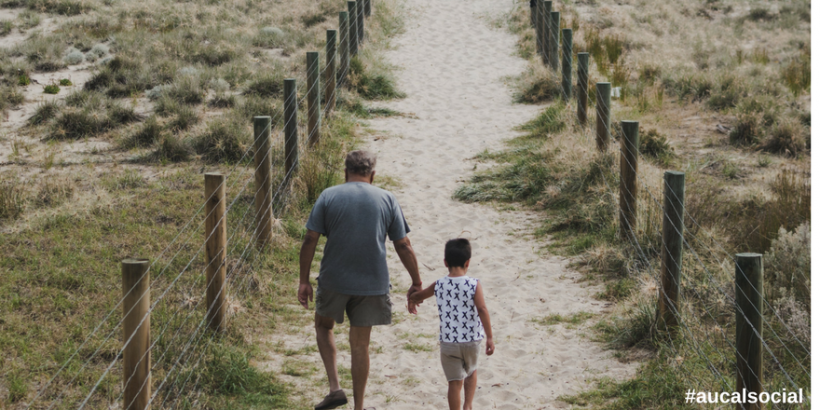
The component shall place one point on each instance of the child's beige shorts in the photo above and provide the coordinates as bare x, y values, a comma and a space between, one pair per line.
459, 360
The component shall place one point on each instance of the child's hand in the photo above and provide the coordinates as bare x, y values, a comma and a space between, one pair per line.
490, 347
412, 307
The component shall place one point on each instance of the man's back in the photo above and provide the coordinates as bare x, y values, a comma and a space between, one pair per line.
356, 217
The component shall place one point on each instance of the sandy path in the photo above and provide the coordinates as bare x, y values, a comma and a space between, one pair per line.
451, 66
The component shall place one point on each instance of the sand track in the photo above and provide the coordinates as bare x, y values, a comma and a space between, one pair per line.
451, 65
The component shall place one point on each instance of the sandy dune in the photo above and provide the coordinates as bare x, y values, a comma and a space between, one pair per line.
452, 65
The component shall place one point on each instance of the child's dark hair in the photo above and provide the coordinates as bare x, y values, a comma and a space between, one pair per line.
457, 252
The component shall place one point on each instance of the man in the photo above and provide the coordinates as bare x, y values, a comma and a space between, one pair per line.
356, 218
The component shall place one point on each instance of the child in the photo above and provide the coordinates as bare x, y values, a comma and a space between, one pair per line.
464, 321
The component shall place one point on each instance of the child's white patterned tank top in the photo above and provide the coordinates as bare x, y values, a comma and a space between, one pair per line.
458, 317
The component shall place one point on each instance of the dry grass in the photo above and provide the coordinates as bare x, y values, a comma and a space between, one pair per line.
704, 112
101, 179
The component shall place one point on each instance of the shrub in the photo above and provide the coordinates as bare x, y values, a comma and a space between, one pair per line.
74, 57
186, 91
54, 192
44, 113
655, 145
268, 85
13, 197
269, 37
537, 85
75, 124
51, 89
5, 28
49, 66
223, 141
797, 74
99, 81
371, 85
788, 265
147, 135
66, 82
120, 115
186, 117
85, 98
727, 94
172, 149
23, 80
213, 56
99, 50
787, 137
255, 106
747, 129
761, 14
222, 101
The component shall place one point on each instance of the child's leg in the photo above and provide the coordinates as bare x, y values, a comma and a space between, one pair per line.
469, 390
454, 394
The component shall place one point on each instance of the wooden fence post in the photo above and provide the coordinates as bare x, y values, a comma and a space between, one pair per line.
215, 237
352, 30
539, 29
330, 72
602, 91
630, 142
546, 23
344, 48
583, 87
534, 14
566, 63
360, 20
291, 130
314, 97
262, 198
555, 38
367, 8
673, 208
749, 325
136, 326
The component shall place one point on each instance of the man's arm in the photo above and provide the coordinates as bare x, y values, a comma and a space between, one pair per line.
484, 314
305, 260
408, 259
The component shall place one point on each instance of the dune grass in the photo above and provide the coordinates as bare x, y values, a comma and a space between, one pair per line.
204, 73
736, 201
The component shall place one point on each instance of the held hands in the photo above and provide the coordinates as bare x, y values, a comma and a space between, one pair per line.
413, 303
490, 347
305, 294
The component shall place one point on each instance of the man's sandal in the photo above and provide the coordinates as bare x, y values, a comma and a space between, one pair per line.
332, 400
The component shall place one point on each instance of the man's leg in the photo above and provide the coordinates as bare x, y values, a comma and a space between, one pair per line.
360, 362
327, 349
469, 390
454, 394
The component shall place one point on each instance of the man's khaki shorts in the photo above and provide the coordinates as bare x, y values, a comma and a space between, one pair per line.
362, 311
459, 360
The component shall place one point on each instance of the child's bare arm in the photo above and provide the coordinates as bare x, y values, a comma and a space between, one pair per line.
417, 297
484, 314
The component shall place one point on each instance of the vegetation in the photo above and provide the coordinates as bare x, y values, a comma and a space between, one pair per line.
760, 94
79, 203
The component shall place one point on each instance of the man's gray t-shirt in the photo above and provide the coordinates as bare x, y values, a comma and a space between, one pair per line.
356, 217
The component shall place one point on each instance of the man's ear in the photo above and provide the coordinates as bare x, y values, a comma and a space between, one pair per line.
446, 265
372, 176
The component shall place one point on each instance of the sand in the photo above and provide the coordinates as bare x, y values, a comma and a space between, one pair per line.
451, 65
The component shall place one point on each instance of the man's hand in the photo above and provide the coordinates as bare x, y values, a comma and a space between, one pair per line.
305, 294
490, 347
412, 305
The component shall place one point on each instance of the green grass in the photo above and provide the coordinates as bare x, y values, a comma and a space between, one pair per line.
554, 319
417, 347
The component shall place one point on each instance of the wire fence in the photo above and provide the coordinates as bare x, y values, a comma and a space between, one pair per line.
182, 331
697, 287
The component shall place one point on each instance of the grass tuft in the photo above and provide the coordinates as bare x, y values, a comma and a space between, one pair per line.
224, 141
371, 84
44, 113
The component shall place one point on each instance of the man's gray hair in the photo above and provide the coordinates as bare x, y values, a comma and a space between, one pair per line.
360, 162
